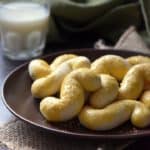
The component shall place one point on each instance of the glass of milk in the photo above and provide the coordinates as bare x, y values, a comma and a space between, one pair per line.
23, 27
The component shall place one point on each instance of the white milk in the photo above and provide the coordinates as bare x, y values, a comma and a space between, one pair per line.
23, 27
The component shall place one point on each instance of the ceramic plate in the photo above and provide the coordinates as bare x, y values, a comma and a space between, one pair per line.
18, 99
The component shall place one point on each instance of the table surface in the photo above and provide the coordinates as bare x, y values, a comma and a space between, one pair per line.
7, 65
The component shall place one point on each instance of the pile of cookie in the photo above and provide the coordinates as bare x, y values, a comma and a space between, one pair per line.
103, 94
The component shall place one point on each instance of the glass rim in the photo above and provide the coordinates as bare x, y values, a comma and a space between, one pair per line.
3, 5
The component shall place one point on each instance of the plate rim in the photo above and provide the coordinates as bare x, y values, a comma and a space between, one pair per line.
64, 132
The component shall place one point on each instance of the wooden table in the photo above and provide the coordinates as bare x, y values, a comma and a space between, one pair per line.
5, 116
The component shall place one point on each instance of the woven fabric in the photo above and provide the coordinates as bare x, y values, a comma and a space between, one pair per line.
130, 40
18, 135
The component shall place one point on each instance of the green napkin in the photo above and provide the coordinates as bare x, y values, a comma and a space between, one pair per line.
77, 19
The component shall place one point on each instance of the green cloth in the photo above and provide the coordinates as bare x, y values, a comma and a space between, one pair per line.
107, 19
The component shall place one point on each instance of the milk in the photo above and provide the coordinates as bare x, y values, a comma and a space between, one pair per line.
23, 27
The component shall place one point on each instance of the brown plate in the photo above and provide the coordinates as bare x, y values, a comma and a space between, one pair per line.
18, 99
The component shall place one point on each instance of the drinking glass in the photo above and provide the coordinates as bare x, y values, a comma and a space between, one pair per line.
23, 28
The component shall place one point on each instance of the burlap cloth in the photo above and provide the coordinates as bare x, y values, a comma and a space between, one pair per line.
18, 135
